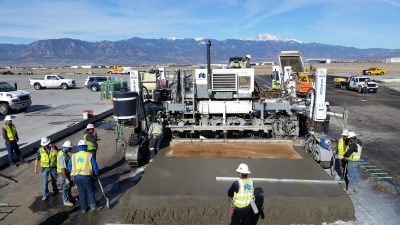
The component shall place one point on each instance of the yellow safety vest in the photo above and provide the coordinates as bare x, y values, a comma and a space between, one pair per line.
341, 147
275, 85
47, 160
91, 146
11, 132
242, 198
156, 128
243, 64
356, 155
59, 155
81, 164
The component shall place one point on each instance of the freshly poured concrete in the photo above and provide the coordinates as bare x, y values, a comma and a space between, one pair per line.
185, 191
255, 150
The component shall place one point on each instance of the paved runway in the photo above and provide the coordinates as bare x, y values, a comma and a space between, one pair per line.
52, 110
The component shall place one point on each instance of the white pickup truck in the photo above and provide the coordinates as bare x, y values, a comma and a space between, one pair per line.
52, 81
356, 83
11, 98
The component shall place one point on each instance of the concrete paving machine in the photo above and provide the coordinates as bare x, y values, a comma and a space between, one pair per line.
226, 103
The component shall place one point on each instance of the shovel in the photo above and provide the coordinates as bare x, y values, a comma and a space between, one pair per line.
102, 190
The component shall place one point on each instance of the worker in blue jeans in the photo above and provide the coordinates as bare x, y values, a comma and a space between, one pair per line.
64, 174
47, 157
11, 139
84, 170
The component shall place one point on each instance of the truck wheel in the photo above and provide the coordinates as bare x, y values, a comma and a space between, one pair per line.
64, 86
369, 73
359, 89
37, 86
381, 73
94, 88
4, 108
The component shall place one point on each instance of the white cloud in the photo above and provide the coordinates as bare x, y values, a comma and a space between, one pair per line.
392, 2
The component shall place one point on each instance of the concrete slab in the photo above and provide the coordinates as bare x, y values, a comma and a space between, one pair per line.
185, 191
54, 113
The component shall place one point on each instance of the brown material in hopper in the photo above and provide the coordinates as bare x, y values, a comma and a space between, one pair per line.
259, 150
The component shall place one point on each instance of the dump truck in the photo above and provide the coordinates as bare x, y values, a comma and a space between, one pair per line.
292, 61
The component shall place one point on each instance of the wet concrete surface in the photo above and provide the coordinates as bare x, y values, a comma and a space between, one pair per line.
185, 191
238, 149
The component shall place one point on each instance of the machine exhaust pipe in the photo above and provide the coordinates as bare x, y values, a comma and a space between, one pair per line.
209, 68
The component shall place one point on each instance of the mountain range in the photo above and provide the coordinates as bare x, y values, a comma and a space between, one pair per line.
137, 51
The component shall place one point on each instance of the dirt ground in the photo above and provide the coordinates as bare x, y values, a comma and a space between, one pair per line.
232, 150
333, 68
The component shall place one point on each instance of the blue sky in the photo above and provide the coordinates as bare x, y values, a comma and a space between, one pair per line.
355, 23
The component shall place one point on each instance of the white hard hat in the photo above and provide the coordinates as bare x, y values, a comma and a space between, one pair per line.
67, 144
351, 134
345, 132
248, 56
45, 141
90, 126
327, 103
81, 143
243, 168
8, 118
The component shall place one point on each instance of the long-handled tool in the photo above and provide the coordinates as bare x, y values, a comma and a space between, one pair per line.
104, 194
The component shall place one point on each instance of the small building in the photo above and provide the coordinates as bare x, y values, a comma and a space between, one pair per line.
267, 63
322, 61
393, 60
74, 67
86, 67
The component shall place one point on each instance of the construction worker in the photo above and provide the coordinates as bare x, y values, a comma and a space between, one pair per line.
84, 171
155, 136
365, 87
90, 136
47, 156
11, 139
245, 62
342, 144
241, 193
65, 180
351, 156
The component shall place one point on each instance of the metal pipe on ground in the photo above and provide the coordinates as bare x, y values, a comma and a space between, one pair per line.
275, 180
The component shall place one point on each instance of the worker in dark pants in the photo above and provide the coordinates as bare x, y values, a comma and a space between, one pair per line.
351, 156
90, 136
342, 145
155, 136
10, 136
84, 171
241, 194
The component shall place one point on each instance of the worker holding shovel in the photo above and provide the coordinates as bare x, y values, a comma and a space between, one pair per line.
83, 167
241, 194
